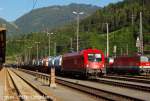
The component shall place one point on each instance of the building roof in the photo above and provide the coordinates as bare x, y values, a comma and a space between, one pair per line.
1, 28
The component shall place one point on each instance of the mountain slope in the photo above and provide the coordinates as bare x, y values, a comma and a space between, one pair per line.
12, 29
51, 17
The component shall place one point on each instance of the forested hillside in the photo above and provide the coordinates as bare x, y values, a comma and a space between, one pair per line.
119, 15
123, 19
12, 29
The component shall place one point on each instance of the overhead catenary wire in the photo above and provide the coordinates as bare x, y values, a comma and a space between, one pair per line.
34, 4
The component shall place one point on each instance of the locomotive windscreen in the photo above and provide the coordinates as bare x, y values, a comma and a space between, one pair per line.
144, 59
94, 57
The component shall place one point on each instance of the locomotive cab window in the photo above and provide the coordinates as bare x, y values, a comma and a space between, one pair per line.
94, 57
144, 59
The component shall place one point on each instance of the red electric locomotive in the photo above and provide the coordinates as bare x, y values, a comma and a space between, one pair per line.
144, 64
88, 62
129, 64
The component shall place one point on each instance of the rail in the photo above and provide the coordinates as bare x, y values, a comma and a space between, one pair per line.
39, 91
129, 78
126, 84
16, 88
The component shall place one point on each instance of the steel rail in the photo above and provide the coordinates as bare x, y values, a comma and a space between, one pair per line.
139, 77
29, 83
132, 79
16, 88
122, 84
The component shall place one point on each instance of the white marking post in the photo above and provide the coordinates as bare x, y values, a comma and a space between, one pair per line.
52, 78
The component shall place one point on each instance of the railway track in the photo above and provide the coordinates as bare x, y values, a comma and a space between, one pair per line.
25, 91
139, 77
127, 84
129, 78
100, 93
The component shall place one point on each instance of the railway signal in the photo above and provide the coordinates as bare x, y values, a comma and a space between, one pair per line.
138, 44
115, 50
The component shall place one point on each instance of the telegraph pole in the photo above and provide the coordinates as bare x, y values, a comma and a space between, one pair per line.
127, 50
121, 51
55, 49
49, 38
107, 39
71, 44
78, 32
132, 17
141, 34
26, 56
29, 53
45, 51
37, 53
78, 18
49, 43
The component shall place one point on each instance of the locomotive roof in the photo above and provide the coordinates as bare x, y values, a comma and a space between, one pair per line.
81, 52
135, 56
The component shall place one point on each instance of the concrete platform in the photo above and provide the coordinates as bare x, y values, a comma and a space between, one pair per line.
2, 84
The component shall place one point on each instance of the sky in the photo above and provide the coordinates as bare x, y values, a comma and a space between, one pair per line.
10, 10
